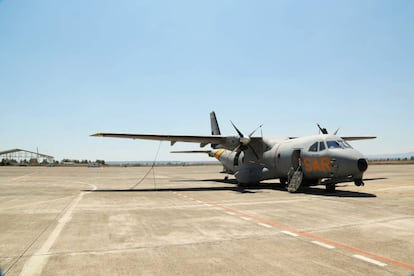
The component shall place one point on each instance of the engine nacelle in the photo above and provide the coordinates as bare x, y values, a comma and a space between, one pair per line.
231, 160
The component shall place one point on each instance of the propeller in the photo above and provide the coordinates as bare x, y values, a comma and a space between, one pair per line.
244, 141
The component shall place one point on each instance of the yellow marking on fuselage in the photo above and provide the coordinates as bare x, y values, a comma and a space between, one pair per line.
218, 154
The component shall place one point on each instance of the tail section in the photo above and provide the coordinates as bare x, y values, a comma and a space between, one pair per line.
215, 129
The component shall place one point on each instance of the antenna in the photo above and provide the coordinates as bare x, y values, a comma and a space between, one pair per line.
323, 130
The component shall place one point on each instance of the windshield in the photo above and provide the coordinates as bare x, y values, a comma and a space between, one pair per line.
344, 144
338, 144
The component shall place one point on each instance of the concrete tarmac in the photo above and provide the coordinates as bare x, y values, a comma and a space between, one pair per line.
187, 221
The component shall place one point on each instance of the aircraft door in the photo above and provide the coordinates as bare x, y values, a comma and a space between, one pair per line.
295, 159
295, 175
295, 163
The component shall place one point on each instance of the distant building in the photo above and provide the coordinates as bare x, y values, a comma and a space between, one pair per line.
24, 157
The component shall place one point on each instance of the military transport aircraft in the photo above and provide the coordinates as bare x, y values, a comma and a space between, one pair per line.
323, 159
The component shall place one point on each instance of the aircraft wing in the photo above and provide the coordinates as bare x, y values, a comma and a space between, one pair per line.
354, 138
231, 141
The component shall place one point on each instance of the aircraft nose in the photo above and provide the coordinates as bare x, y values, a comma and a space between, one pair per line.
362, 164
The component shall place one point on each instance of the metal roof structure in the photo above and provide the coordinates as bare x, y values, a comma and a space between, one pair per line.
21, 155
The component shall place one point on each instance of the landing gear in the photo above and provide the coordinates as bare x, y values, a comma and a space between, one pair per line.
331, 188
359, 182
241, 185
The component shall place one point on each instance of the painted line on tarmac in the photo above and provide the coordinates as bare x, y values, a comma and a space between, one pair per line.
34, 265
323, 244
36, 203
23, 176
265, 225
369, 260
286, 229
289, 233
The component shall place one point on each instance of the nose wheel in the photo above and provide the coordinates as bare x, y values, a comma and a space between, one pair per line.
359, 182
331, 188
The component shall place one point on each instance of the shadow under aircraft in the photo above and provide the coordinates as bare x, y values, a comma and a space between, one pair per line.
245, 189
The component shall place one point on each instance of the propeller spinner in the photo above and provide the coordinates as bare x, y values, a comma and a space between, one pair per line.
245, 141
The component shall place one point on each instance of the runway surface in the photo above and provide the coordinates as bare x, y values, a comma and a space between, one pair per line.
187, 221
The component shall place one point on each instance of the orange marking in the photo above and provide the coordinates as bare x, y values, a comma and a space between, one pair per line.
308, 165
218, 154
312, 236
326, 164
317, 164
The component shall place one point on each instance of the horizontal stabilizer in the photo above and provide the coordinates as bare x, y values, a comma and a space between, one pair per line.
191, 151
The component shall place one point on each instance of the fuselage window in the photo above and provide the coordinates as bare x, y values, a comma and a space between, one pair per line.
314, 147
322, 146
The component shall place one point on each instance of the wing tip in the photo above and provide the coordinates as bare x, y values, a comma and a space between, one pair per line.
355, 138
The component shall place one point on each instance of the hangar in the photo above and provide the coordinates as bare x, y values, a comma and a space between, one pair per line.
24, 157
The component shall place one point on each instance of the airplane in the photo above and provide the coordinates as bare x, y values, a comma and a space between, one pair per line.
323, 159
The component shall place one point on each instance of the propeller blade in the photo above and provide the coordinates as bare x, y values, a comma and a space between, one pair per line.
238, 131
250, 135
236, 148
254, 152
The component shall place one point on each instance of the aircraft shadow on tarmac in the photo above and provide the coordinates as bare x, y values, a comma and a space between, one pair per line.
248, 189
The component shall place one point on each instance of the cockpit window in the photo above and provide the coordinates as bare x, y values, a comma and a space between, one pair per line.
314, 147
339, 144
317, 146
345, 144
322, 146
333, 145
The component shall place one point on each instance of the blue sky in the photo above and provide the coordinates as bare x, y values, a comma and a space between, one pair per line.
72, 68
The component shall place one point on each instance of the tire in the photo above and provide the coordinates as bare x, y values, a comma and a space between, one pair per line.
331, 188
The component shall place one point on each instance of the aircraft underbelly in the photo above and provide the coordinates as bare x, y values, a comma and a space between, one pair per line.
252, 174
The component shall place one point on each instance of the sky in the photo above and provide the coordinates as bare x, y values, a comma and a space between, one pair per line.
69, 69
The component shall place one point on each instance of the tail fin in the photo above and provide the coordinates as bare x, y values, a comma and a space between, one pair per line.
215, 130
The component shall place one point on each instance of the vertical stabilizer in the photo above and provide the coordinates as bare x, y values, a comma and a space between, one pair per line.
215, 130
